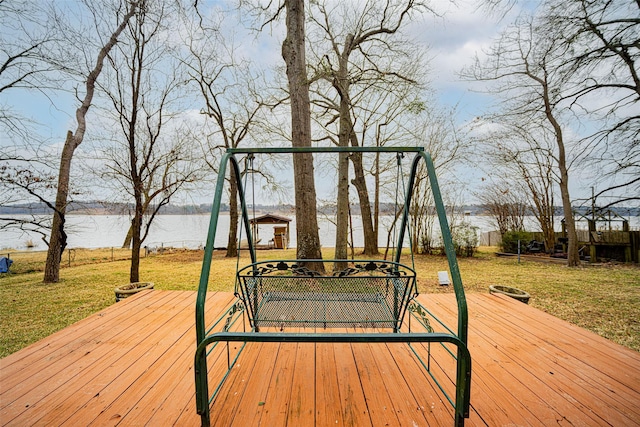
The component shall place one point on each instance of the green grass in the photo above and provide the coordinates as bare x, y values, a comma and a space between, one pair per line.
604, 299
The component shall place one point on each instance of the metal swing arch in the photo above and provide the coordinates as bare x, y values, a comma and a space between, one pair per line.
371, 293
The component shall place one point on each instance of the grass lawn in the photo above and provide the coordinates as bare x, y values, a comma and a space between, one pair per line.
604, 299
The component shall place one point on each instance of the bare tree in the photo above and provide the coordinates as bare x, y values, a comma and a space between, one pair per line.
227, 84
151, 164
527, 159
25, 62
506, 204
354, 64
25, 67
523, 65
437, 132
384, 117
58, 239
602, 39
596, 45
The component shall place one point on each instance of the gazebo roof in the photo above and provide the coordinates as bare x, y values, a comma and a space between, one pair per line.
270, 219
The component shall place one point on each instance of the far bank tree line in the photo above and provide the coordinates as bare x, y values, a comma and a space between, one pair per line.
349, 75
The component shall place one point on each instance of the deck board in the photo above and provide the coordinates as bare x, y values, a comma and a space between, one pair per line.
132, 364
430, 400
352, 399
379, 403
303, 391
326, 388
143, 364
560, 365
253, 398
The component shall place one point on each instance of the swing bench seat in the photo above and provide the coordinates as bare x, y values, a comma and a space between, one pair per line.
366, 294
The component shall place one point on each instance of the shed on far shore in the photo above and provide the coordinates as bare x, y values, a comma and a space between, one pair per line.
281, 234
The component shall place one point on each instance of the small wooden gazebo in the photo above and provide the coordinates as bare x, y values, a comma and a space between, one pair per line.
280, 229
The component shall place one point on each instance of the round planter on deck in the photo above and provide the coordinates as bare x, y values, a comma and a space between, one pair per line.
515, 293
129, 289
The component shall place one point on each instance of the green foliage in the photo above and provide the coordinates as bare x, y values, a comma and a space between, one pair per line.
510, 241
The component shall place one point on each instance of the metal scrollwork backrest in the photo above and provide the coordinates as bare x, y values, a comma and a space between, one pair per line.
371, 266
263, 270
385, 268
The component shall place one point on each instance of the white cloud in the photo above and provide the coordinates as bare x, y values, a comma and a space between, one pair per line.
453, 40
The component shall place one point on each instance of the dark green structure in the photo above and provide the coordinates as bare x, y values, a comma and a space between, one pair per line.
368, 293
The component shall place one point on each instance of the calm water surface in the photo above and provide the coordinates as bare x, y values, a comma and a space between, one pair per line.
98, 231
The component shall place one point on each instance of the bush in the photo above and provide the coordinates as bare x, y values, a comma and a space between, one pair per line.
510, 241
428, 245
465, 239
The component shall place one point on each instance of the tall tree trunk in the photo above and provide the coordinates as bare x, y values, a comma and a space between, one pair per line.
136, 227
573, 258
342, 211
127, 240
58, 240
136, 179
360, 183
232, 242
341, 84
293, 53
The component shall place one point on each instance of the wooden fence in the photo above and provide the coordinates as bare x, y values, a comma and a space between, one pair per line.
623, 246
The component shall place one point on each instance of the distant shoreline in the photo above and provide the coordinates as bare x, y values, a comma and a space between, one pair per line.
103, 208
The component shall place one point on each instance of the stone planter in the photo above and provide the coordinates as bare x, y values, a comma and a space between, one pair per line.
515, 293
129, 289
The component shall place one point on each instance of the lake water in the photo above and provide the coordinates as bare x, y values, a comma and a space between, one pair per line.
99, 231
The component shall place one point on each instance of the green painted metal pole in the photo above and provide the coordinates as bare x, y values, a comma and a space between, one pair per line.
208, 249
213, 225
201, 363
450, 251
463, 316
201, 375
446, 236
288, 150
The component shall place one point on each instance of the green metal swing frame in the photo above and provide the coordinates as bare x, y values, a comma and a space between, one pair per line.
246, 306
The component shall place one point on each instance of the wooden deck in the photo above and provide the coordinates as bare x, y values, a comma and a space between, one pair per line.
132, 364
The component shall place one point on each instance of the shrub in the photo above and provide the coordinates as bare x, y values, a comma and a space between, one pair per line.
465, 239
510, 241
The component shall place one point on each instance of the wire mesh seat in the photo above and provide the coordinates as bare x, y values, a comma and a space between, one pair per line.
369, 294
